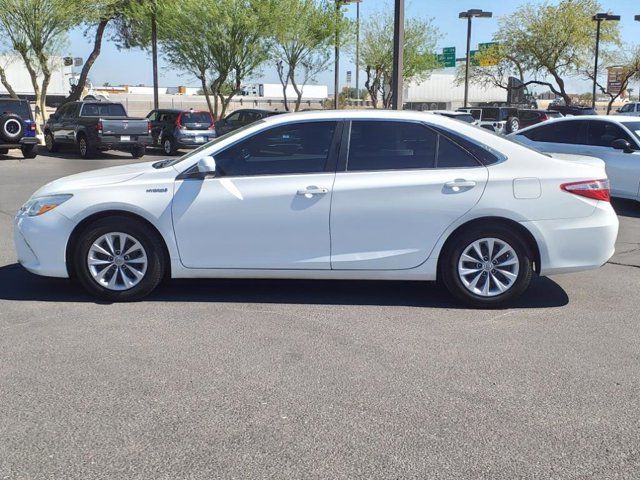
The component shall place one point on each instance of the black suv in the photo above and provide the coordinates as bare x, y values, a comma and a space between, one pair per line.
572, 110
17, 128
240, 118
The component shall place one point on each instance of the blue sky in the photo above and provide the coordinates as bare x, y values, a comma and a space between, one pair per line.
134, 67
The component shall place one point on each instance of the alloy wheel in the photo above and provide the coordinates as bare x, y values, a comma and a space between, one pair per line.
117, 261
488, 267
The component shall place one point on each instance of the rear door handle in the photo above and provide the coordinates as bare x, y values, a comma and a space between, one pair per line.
457, 185
313, 190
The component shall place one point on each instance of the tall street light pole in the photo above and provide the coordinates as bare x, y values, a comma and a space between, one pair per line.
469, 14
154, 54
599, 18
637, 19
336, 68
398, 50
358, 50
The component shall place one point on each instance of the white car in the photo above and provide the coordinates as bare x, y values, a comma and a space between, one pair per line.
615, 140
631, 109
327, 195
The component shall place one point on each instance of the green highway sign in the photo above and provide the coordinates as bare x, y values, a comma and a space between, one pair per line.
448, 57
483, 46
472, 58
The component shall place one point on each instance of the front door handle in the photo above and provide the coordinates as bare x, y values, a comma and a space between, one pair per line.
459, 184
313, 190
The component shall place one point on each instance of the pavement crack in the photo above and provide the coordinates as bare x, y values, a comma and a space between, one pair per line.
623, 264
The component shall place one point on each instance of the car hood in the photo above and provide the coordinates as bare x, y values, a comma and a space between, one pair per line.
581, 159
93, 178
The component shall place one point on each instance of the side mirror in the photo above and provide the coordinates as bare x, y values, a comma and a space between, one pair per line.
207, 165
618, 110
622, 144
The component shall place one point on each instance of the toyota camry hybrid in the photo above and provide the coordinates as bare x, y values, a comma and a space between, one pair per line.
327, 195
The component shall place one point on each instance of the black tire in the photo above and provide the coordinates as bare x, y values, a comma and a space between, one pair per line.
138, 151
11, 127
29, 151
169, 146
85, 148
50, 143
452, 254
147, 237
513, 124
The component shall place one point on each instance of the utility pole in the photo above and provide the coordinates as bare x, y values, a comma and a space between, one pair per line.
358, 50
599, 18
398, 50
154, 54
469, 14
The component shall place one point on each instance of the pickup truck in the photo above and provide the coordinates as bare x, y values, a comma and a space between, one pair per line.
96, 126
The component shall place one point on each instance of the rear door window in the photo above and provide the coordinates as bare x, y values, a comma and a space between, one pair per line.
385, 145
196, 117
103, 110
22, 109
452, 155
556, 132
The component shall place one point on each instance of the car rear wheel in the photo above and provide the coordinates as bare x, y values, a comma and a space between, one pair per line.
29, 151
50, 143
138, 151
169, 146
119, 259
513, 124
487, 266
85, 148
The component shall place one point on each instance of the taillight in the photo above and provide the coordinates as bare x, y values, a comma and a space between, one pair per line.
33, 127
179, 121
149, 128
596, 189
543, 117
99, 126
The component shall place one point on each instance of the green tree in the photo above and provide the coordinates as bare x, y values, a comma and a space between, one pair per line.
552, 41
98, 15
304, 32
376, 54
36, 31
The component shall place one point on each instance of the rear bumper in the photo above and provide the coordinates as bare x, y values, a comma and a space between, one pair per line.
190, 141
41, 243
571, 245
115, 142
23, 141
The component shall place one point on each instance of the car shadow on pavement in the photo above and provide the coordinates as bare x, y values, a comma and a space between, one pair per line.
20, 285
69, 152
626, 208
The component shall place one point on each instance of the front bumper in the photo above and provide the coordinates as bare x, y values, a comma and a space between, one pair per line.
575, 244
41, 243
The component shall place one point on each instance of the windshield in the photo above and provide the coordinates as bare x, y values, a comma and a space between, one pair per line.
193, 153
19, 108
195, 117
103, 110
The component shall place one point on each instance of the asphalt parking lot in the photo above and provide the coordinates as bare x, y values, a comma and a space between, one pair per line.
300, 379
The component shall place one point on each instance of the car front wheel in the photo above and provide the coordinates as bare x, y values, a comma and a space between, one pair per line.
119, 259
487, 266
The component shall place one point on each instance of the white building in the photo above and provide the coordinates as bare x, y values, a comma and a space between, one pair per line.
19, 79
440, 91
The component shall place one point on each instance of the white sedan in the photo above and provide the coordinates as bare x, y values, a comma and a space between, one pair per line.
327, 195
615, 140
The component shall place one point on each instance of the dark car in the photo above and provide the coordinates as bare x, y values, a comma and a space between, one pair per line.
242, 117
175, 129
572, 110
528, 117
17, 128
496, 119
97, 126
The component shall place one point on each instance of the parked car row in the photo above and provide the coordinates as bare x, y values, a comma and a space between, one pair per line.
95, 125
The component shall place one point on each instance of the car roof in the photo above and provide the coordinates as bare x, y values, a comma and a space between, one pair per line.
618, 119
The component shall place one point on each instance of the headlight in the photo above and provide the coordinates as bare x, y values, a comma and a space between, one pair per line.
40, 205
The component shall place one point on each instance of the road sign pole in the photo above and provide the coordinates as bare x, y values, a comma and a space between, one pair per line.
466, 68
